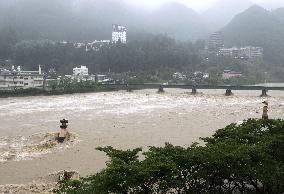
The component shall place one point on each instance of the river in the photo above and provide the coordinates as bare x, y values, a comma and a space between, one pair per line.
120, 119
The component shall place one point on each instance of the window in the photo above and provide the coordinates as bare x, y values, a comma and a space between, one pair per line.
15, 82
21, 77
26, 78
26, 84
21, 82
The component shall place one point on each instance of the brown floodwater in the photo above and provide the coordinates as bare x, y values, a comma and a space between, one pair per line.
123, 120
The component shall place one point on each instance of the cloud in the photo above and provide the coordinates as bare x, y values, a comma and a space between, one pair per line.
270, 4
154, 4
200, 5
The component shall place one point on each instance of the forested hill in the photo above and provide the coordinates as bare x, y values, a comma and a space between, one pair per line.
85, 20
258, 27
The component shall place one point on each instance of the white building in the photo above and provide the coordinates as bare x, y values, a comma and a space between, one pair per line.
248, 52
179, 76
206, 75
118, 33
80, 71
256, 52
18, 79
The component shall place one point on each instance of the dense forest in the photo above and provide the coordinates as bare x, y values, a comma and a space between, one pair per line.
156, 56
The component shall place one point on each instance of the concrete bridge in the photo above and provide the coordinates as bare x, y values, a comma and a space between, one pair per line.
194, 88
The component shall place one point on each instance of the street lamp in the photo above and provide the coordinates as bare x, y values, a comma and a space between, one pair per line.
265, 78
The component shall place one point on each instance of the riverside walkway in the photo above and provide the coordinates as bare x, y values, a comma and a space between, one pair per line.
228, 88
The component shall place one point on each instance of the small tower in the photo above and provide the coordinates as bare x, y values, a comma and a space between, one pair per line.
39, 69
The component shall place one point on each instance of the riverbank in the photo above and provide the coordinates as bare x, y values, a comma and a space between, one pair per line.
42, 92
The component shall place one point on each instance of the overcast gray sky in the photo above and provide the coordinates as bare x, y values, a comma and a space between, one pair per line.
202, 5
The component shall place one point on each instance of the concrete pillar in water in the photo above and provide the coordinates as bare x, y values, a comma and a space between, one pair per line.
228, 92
194, 90
264, 92
161, 89
128, 89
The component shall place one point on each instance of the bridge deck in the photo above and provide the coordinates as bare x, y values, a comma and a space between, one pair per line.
156, 86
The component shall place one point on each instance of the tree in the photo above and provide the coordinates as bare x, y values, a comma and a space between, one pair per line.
246, 158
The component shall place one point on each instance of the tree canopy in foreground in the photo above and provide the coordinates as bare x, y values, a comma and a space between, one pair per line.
245, 158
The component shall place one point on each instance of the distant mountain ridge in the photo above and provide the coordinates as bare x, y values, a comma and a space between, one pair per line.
223, 11
87, 20
178, 21
258, 27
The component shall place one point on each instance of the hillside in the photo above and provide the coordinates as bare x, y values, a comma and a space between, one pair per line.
178, 21
258, 27
86, 20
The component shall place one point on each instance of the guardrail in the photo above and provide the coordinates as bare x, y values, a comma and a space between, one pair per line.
194, 88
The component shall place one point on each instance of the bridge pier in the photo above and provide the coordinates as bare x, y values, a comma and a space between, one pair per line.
194, 90
228, 92
128, 89
161, 89
264, 92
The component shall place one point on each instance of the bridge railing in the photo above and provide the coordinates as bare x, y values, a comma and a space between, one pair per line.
157, 85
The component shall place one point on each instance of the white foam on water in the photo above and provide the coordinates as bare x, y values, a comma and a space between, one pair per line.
118, 103
29, 155
27, 148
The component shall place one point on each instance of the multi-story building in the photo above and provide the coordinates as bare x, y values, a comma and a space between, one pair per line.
215, 42
256, 52
118, 33
80, 71
248, 52
179, 76
18, 79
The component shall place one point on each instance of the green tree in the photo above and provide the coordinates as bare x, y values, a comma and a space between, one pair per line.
246, 158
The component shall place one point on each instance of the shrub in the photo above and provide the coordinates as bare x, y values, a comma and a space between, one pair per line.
246, 158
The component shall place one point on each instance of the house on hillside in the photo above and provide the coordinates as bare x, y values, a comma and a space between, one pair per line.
228, 74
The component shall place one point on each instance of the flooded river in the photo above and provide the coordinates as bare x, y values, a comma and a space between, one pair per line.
123, 120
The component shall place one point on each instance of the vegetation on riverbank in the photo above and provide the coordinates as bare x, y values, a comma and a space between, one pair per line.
246, 158
66, 86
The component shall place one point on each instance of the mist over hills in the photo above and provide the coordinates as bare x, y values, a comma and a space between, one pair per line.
28, 29
177, 20
258, 27
223, 11
87, 20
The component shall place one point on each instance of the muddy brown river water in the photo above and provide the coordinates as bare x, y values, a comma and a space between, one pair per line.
119, 119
